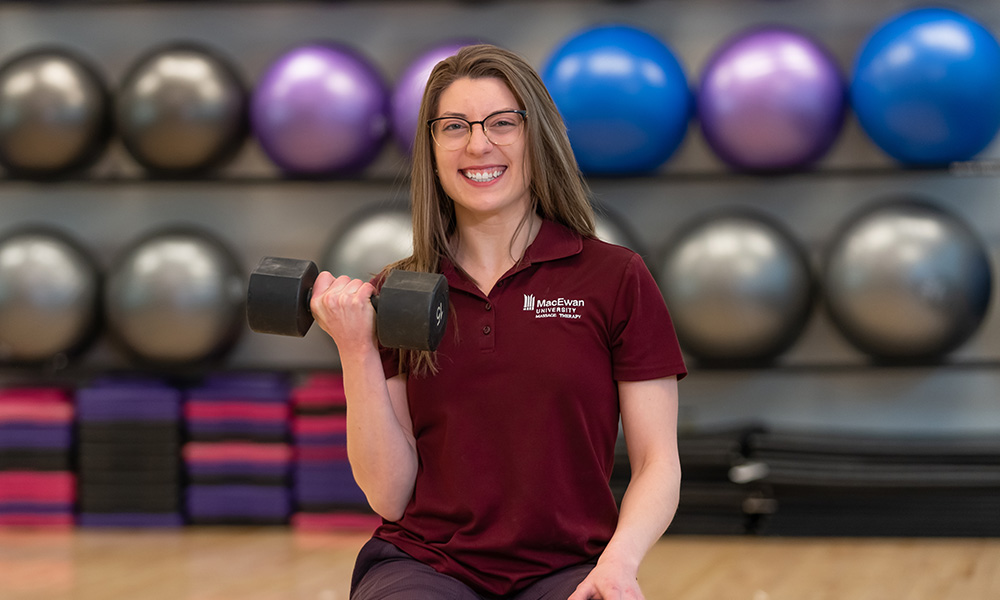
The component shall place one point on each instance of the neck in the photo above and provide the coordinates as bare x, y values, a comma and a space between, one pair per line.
486, 249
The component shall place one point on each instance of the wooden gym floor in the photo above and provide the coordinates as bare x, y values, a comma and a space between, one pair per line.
240, 563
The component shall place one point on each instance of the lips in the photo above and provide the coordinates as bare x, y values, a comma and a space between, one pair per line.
483, 175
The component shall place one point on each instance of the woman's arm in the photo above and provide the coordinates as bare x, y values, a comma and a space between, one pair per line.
380, 442
649, 422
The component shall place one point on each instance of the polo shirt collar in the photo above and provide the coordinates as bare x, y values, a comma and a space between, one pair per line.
554, 241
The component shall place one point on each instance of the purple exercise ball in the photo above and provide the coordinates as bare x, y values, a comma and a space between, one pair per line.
770, 99
409, 91
320, 109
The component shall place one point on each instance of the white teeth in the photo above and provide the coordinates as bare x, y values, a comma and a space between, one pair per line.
483, 176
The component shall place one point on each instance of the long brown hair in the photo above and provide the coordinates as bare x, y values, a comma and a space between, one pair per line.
558, 190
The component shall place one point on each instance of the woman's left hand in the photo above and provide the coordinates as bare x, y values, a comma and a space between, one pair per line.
608, 582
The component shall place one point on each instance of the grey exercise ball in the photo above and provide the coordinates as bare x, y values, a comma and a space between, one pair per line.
907, 280
739, 287
55, 113
611, 228
369, 242
176, 297
182, 109
49, 296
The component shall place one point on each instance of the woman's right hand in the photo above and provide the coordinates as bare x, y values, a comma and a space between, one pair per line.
342, 307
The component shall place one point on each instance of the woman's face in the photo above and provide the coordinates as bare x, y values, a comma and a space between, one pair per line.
483, 179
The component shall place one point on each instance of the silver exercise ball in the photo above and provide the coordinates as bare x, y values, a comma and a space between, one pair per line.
611, 228
906, 280
55, 113
369, 242
176, 297
49, 296
182, 109
738, 286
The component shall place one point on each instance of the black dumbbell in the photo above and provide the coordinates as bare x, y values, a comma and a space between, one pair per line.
411, 308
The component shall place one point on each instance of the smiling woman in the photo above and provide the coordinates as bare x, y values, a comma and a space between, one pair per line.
554, 338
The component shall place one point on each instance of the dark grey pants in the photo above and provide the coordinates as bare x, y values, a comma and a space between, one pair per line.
384, 572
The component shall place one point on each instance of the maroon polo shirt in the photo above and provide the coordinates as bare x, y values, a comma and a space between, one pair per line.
516, 432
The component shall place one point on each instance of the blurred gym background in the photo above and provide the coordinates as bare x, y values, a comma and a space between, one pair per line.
813, 183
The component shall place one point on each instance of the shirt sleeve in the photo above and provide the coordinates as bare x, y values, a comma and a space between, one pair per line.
643, 341
390, 361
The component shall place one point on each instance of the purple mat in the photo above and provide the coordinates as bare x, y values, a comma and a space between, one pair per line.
262, 469
36, 436
37, 508
247, 387
338, 470
238, 501
102, 409
332, 493
241, 381
320, 439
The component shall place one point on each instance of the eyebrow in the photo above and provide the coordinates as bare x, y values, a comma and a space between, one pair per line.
465, 116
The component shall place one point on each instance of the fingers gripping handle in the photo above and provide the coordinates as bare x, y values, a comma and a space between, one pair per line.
411, 310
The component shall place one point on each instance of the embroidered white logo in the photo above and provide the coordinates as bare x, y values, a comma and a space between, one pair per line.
565, 308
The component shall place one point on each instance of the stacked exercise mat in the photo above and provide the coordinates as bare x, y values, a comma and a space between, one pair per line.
713, 500
237, 455
326, 494
756, 480
37, 484
128, 452
878, 485
258, 448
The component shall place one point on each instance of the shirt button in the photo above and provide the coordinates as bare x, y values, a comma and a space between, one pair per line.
486, 330
489, 306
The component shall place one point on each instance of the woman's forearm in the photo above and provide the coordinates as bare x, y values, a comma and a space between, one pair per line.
380, 443
647, 509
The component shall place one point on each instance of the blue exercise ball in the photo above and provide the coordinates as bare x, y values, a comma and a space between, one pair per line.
926, 87
624, 97
906, 280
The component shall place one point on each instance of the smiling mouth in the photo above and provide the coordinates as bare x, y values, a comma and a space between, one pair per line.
483, 175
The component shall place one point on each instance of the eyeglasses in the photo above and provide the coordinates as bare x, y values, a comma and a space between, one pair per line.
501, 128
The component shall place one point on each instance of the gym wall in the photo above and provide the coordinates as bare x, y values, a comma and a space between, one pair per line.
821, 382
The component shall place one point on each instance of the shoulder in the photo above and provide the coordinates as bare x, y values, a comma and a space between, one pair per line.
610, 255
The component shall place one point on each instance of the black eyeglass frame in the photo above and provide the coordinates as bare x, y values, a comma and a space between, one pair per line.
482, 123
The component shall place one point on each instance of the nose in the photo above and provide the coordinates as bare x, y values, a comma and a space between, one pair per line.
478, 141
